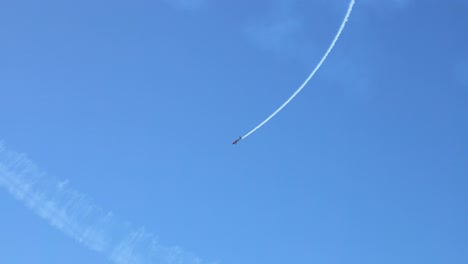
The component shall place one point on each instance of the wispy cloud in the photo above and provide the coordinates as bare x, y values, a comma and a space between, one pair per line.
279, 37
187, 4
399, 4
77, 216
285, 30
386, 6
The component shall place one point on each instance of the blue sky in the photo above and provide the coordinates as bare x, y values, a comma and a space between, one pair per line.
135, 105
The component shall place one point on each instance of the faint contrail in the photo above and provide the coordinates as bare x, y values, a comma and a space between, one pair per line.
350, 8
77, 216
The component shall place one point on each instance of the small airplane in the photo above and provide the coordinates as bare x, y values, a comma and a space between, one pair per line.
237, 140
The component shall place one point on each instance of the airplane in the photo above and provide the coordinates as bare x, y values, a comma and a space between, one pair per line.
237, 140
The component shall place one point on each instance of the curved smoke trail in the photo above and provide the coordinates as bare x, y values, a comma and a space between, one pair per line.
350, 8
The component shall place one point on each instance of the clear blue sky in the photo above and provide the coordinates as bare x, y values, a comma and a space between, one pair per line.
136, 104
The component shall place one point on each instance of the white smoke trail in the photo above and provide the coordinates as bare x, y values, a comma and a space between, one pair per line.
77, 216
350, 8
